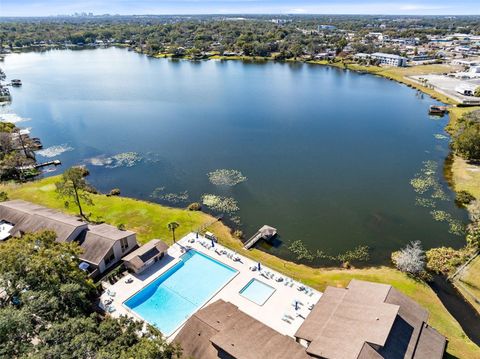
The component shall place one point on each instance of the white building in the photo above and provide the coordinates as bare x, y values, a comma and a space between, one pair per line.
389, 59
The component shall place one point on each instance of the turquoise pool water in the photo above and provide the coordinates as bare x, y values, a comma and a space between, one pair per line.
178, 293
257, 291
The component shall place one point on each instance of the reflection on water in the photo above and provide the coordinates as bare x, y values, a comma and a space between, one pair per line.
329, 154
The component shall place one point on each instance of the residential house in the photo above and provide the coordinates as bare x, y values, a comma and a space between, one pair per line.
103, 245
363, 321
369, 320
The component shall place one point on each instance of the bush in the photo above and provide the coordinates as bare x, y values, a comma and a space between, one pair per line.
411, 259
195, 206
121, 227
463, 198
115, 192
445, 260
477, 92
3, 196
238, 234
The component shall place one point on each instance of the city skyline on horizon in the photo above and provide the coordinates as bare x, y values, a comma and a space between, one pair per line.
199, 7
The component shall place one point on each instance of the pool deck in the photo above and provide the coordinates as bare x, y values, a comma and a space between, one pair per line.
279, 304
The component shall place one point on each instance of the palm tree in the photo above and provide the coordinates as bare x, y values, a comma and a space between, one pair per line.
172, 226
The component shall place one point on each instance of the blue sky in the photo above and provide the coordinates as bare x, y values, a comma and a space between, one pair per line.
125, 7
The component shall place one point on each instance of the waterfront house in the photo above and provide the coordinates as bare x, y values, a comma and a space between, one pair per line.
102, 245
28, 217
221, 330
363, 321
141, 258
369, 320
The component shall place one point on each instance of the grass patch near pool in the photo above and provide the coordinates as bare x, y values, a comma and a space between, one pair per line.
150, 220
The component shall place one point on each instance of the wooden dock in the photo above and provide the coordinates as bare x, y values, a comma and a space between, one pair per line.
266, 232
40, 165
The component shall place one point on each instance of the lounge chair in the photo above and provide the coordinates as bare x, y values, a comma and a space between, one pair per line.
286, 320
310, 307
111, 293
279, 279
110, 309
291, 284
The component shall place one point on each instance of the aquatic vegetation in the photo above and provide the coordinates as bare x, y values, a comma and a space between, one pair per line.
440, 136
440, 216
456, 227
158, 193
301, 251
425, 202
439, 193
224, 177
54, 151
125, 159
219, 203
422, 184
236, 220
12, 118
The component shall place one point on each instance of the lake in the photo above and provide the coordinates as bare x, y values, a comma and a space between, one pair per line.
329, 155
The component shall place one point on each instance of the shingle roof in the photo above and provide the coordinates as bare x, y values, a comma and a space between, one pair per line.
431, 344
222, 326
98, 240
141, 255
29, 217
363, 318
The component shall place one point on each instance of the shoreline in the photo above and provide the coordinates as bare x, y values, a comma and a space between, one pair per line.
149, 221
310, 275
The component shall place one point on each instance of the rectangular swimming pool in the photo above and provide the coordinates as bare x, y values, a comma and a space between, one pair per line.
257, 291
178, 293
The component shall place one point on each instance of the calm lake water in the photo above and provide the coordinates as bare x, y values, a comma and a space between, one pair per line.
329, 154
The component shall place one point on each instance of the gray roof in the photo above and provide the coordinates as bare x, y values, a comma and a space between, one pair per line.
141, 255
221, 326
362, 319
431, 344
28, 217
98, 240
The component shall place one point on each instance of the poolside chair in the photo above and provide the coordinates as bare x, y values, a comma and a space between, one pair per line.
310, 307
110, 309
111, 293
129, 280
291, 284
286, 320
311, 294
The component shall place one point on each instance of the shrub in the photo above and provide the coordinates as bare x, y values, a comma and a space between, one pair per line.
121, 227
3, 196
195, 206
238, 234
410, 259
445, 260
115, 192
463, 198
477, 92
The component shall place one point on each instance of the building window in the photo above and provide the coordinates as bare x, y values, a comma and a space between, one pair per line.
124, 243
110, 256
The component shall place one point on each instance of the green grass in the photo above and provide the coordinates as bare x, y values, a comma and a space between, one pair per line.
468, 282
150, 221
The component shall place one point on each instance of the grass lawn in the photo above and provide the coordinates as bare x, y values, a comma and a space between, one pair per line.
150, 221
469, 284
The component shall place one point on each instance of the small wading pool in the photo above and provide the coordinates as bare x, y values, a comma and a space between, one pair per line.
175, 295
257, 291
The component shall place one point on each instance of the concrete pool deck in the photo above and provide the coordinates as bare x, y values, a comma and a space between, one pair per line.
271, 313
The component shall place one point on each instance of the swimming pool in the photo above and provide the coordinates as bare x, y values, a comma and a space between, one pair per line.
178, 293
257, 291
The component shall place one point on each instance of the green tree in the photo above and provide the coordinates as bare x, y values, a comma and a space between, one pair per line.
466, 141
172, 226
74, 186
